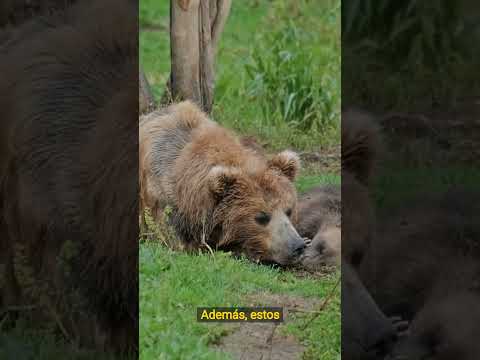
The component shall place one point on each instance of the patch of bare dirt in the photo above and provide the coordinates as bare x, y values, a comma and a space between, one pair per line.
265, 341
303, 274
322, 161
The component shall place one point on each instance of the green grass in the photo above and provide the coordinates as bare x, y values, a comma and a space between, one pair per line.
257, 105
24, 342
419, 51
173, 284
307, 181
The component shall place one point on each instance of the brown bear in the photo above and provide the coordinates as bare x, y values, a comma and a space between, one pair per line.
68, 172
324, 250
444, 329
317, 208
415, 263
367, 334
319, 212
419, 249
360, 148
222, 194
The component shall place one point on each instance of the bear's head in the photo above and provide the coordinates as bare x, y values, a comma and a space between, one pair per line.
255, 210
325, 249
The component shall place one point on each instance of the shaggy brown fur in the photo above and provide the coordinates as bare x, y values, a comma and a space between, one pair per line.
360, 144
421, 263
424, 249
216, 186
252, 143
317, 208
360, 147
445, 329
324, 250
319, 212
358, 220
366, 333
16, 12
68, 161
361, 320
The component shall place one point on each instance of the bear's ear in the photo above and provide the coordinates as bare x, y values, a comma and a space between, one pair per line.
287, 162
222, 180
361, 144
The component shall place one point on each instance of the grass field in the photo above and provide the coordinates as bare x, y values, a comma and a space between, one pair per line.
26, 343
252, 68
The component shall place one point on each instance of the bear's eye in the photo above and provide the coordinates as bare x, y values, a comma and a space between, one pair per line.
262, 218
288, 212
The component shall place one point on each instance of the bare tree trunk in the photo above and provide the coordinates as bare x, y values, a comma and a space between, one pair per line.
145, 96
195, 29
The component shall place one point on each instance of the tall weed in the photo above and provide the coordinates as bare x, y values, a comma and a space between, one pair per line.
422, 48
282, 75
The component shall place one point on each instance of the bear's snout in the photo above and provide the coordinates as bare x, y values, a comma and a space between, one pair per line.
287, 245
296, 246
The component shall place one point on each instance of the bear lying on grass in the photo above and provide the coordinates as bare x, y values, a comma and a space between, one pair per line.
68, 167
321, 211
319, 219
223, 195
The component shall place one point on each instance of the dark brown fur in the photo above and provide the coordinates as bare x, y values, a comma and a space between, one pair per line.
319, 212
422, 263
16, 12
366, 332
69, 135
360, 148
420, 250
318, 207
444, 329
360, 144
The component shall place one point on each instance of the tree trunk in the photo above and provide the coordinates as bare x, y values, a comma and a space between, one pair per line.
195, 29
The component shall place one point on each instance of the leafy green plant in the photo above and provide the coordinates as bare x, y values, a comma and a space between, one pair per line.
428, 33
403, 52
281, 75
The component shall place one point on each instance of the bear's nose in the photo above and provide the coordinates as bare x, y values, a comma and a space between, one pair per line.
320, 246
298, 247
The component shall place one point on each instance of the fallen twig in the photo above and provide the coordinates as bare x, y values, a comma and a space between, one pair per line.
323, 306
